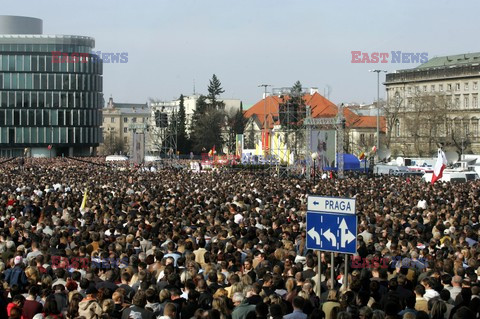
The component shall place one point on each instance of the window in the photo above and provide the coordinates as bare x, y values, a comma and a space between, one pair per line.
465, 86
440, 87
457, 101
475, 85
134, 120
465, 102
125, 129
475, 101
424, 88
409, 89
370, 139
125, 140
457, 87
432, 88
397, 128
112, 120
125, 120
362, 139
417, 89
449, 87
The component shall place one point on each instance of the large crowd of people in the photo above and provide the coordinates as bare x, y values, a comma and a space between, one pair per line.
227, 244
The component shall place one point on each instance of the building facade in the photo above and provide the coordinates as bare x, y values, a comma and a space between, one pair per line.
434, 104
120, 122
47, 107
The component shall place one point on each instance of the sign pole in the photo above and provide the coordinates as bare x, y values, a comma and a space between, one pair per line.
346, 271
319, 283
332, 268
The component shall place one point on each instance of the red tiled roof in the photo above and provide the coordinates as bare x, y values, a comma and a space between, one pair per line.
321, 108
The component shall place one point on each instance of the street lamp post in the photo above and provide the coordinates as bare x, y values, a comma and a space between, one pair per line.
314, 158
378, 104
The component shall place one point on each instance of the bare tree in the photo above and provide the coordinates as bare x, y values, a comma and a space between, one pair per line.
424, 118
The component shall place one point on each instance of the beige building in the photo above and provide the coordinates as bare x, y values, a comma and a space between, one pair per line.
119, 122
435, 103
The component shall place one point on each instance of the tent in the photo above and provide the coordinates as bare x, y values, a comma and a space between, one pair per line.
350, 163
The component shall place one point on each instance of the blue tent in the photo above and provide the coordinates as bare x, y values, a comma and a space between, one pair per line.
350, 163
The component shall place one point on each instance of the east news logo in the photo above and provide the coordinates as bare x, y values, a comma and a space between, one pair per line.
394, 56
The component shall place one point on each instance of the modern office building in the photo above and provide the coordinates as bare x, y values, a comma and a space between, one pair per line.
49, 105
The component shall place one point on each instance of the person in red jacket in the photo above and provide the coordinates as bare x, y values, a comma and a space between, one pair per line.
17, 302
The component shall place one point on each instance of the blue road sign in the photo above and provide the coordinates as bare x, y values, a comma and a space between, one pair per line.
332, 232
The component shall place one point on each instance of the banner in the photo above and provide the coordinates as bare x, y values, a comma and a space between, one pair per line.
239, 145
323, 143
265, 140
138, 148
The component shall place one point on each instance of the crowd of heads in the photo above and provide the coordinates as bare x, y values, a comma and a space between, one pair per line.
84, 239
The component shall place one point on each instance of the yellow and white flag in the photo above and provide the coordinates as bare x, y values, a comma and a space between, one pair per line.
84, 201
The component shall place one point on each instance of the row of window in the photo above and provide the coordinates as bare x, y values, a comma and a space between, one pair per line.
125, 119
34, 99
17, 117
46, 135
441, 87
39, 81
45, 48
452, 126
46, 63
457, 101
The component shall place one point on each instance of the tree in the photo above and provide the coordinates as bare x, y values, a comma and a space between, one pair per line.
183, 142
391, 113
207, 131
235, 125
214, 90
113, 145
207, 124
250, 137
424, 118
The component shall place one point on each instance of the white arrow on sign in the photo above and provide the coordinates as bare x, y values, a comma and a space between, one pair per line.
331, 237
315, 236
346, 237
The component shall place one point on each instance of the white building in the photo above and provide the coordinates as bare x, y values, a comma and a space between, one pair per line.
190, 103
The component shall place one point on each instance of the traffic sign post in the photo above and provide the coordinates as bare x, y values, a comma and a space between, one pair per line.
332, 232
332, 226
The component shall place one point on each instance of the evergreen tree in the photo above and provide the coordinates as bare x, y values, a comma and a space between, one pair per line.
207, 131
214, 90
183, 143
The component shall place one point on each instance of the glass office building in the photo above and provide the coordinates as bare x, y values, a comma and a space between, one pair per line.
47, 107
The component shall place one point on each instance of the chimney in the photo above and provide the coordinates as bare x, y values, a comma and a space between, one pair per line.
265, 95
313, 90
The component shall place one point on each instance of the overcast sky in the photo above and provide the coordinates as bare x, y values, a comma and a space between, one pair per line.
173, 43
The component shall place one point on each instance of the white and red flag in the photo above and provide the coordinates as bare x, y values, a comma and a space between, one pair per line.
439, 166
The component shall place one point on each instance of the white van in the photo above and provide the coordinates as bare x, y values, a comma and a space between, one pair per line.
151, 158
390, 169
454, 177
116, 158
